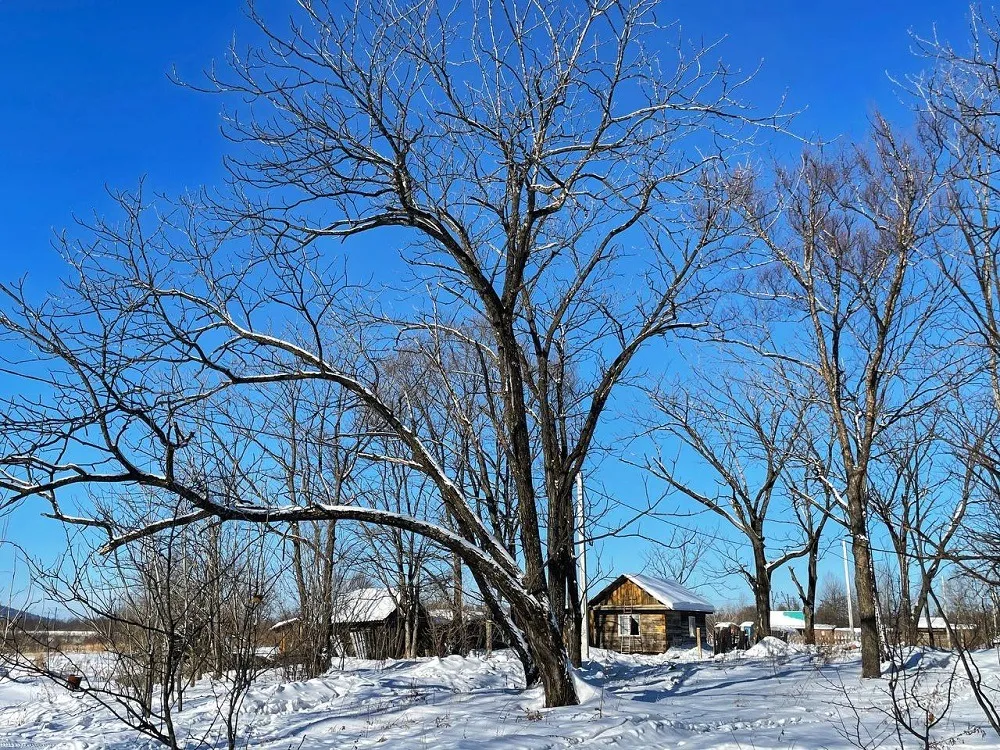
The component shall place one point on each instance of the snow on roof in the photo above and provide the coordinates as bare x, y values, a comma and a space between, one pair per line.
358, 605
364, 605
469, 611
939, 623
787, 620
671, 594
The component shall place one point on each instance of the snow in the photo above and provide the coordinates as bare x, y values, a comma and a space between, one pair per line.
787, 621
365, 605
671, 594
795, 698
939, 623
770, 647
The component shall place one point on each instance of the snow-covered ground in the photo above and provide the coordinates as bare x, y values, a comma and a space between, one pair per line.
772, 697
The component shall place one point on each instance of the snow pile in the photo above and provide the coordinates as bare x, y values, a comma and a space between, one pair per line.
687, 655
769, 647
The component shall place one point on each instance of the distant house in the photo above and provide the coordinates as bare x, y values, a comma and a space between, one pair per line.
790, 625
645, 615
367, 623
934, 631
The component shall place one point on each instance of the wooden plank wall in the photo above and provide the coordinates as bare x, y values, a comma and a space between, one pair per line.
652, 637
628, 594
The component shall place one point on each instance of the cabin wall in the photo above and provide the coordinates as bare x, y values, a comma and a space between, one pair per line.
679, 629
652, 638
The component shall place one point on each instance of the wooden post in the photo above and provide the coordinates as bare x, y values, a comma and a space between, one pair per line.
697, 638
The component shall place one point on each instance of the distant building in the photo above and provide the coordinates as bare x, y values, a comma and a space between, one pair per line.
934, 631
367, 623
475, 630
790, 621
790, 625
645, 615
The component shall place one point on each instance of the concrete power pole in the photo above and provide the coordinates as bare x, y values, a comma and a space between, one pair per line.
847, 581
581, 574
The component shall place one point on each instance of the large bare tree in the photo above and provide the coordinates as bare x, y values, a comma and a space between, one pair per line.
848, 296
541, 173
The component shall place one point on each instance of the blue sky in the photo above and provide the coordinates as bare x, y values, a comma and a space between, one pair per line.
86, 101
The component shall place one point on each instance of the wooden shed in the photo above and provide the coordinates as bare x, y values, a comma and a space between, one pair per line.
367, 623
640, 614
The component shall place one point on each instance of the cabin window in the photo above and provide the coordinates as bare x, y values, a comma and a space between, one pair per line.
628, 625
692, 625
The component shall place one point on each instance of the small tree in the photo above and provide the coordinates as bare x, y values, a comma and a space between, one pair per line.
746, 434
165, 610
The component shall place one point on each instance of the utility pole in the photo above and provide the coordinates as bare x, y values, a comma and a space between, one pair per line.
847, 581
581, 575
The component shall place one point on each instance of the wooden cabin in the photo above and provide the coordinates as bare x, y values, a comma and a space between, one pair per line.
640, 614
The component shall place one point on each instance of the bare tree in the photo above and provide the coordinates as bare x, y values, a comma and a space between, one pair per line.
813, 508
318, 455
165, 611
922, 496
747, 435
849, 296
544, 173
677, 557
957, 99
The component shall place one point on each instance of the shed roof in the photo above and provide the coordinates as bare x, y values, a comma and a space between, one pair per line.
364, 605
370, 604
668, 593
939, 623
787, 620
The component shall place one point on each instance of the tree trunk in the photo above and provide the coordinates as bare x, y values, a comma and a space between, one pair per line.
561, 567
864, 578
326, 610
457, 615
809, 600
907, 625
546, 642
809, 634
574, 620
761, 585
